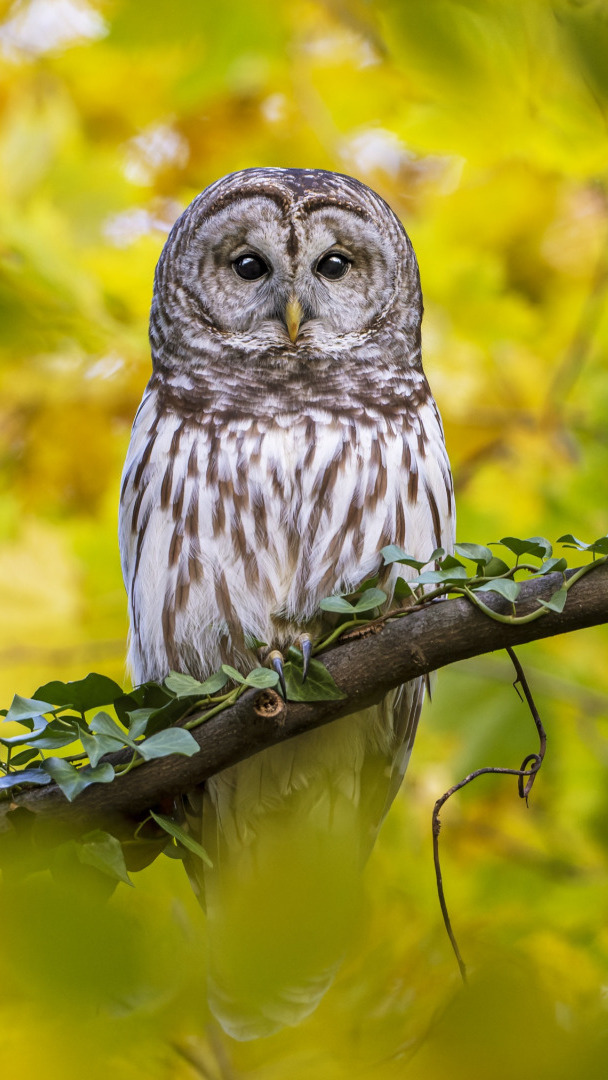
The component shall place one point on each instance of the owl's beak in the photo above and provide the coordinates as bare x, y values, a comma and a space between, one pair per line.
293, 317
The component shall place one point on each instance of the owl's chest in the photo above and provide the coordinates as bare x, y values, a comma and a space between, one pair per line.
291, 483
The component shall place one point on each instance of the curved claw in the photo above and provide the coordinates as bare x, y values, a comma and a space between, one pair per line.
305, 643
276, 659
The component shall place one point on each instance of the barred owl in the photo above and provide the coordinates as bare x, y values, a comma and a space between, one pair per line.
286, 435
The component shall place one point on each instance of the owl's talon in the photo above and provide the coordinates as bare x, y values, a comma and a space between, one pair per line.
305, 643
276, 659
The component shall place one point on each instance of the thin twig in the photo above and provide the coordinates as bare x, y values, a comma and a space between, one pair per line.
534, 760
542, 734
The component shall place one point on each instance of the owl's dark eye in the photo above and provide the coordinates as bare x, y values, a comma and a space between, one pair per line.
333, 266
250, 266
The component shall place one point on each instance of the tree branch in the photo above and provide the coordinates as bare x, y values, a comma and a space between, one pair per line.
366, 665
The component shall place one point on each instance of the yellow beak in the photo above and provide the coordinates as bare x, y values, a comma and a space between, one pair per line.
293, 317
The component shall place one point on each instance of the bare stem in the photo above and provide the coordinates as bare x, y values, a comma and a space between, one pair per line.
529, 769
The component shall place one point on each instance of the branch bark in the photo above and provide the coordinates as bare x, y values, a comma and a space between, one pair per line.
380, 658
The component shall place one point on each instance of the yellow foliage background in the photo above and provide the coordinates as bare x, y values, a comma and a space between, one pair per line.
484, 123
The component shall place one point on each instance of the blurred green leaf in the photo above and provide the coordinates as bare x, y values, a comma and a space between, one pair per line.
181, 836
103, 851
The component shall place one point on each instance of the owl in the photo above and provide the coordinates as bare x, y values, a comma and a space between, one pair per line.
286, 435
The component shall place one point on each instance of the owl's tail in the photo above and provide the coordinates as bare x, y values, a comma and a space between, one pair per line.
281, 912
288, 831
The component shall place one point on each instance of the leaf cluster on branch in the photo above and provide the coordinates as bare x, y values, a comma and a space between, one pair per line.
160, 739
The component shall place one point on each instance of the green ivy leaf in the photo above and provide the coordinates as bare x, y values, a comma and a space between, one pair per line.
475, 552
444, 577
83, 694
168, 714
600, 547
60, 732
261, 678
233, 674
534, 545
504, 586
337, 604
543, 543
402, 589
138, 721
495, 567
23, 710
181, 836
369, 583
253, 642
371, 598
319, 685
568, 540
23, 758
128, 703
149, 695
393, 553
184, 686
438, 553
103, 851
556, 602
72, 781
24, 776
95, 746
171, 741
104, 724
27, 737
449, 563
550, 566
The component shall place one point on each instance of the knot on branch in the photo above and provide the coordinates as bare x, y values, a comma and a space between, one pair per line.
269, 706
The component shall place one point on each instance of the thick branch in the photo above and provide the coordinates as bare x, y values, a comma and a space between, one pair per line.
366, 667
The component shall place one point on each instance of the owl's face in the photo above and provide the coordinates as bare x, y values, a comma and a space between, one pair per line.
284, 263
301, 275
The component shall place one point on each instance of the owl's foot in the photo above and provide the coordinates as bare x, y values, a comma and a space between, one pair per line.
276, 661
276, 658
304, 642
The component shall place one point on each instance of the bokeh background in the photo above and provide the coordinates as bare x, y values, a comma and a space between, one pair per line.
484, 123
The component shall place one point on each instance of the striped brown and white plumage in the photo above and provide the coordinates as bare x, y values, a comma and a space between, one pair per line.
266, 470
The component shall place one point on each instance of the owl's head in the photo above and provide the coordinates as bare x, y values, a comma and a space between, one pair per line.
294, 261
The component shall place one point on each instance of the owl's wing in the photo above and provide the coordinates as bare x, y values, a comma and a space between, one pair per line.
405, 706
